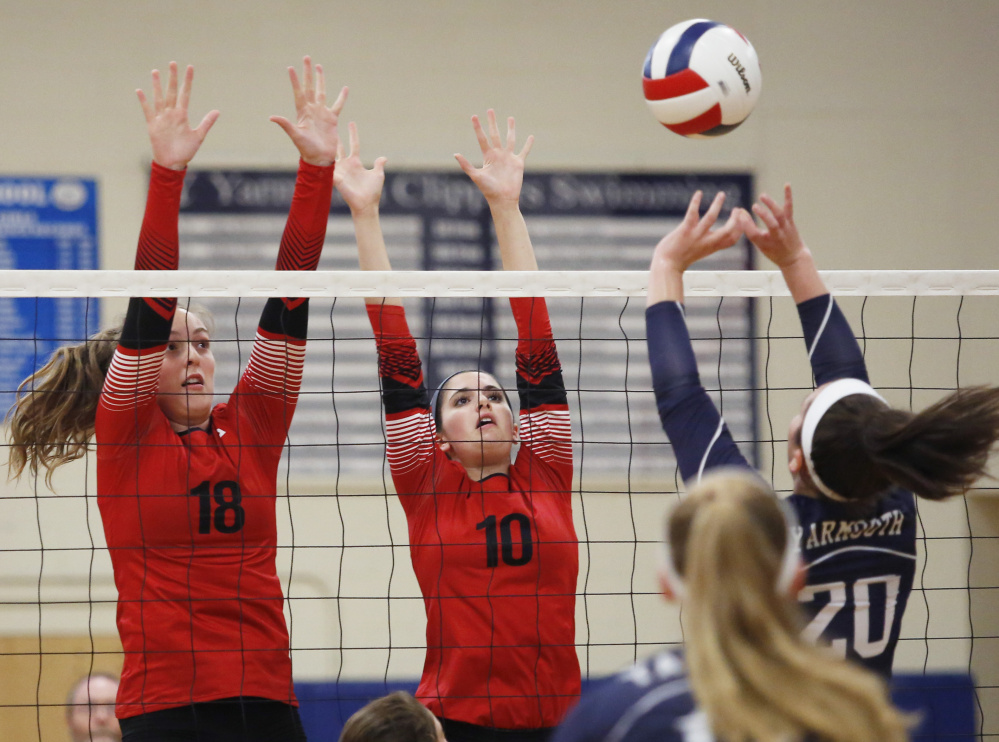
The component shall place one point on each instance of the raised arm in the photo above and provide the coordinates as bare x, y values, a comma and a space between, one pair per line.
274, 370
544, 406
132, 379
409, 426
361, 190
832, 348
700, 438
500, 179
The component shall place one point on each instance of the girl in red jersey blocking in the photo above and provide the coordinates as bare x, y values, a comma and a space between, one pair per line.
187, 490
491, 537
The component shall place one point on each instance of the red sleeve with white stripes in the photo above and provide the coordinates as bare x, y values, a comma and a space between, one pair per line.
409, 425
128, 397
273, 376
544, 406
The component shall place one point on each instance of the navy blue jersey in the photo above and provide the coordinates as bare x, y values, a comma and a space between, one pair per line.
852, 594
860, 570
648, 702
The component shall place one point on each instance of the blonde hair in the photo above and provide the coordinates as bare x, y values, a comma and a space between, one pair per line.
750, 670
52, 419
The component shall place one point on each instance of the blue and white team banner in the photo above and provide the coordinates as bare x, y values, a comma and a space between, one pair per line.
45, 224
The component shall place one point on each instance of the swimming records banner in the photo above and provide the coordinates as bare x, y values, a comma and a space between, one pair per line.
45, 224
439, 221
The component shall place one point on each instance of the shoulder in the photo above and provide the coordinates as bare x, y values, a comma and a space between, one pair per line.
649, 701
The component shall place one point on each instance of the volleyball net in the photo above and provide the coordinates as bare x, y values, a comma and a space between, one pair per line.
354, 608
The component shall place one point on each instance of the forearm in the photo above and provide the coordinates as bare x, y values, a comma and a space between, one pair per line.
665, 283
371, 251
833, 350
516, 249
399, 364
305, 231
700, 439
802, 277
147, 322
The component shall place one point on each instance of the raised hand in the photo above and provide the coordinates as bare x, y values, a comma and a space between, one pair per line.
360, 188
315, 130
173, 140
778, 239
694, 237
502, 173
692, 240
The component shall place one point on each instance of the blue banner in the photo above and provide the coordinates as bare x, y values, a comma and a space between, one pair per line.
45, 224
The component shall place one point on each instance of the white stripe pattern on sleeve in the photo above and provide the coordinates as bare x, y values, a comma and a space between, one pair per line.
548, 433
822, 327
707, 451
410, 441
131, 379
275, 367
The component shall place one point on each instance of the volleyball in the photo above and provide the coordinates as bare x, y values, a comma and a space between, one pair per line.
701, 78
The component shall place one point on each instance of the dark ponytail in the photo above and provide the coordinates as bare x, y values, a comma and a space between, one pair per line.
862, 447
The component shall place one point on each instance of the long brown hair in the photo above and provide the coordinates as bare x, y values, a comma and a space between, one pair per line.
52, 419
862, 447
751, 672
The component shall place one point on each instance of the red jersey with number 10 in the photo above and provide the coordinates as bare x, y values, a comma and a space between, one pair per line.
497, 560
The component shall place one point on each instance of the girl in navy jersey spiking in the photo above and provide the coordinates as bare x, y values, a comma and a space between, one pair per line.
855, 461
491, 537
745, 671
186, 488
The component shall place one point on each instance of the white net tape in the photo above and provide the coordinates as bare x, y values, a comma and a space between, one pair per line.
262, 284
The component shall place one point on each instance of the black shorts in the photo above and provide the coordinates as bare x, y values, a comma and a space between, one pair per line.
460, 731
243, 719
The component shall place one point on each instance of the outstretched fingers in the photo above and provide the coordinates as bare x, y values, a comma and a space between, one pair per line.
309, 83
341, 99
171, 92
711, 216
494, 135
526, 148
480, 135
206, 124
320, 85
296, 89
355, 140
185, 90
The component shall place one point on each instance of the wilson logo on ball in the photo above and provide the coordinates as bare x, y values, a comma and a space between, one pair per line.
701, 78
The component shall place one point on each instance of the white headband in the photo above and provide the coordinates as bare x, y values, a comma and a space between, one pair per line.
830, 395
790, 559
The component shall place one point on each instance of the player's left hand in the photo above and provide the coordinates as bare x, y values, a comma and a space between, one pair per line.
315, 132
360, 188
778, 239
502, 173
694, 237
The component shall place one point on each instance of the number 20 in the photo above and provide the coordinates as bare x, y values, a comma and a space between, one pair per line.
862, 643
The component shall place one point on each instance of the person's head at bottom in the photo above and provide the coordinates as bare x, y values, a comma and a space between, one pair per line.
90, 709
731, 555
397, 717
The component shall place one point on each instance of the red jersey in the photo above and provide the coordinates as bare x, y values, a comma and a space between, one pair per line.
496, 560
190, 517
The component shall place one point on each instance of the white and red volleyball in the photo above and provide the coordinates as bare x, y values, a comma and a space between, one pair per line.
701, 78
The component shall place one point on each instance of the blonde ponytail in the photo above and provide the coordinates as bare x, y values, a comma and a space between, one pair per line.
52, 419
750, 670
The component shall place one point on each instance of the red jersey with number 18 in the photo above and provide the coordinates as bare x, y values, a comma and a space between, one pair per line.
189, 517
497, 560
